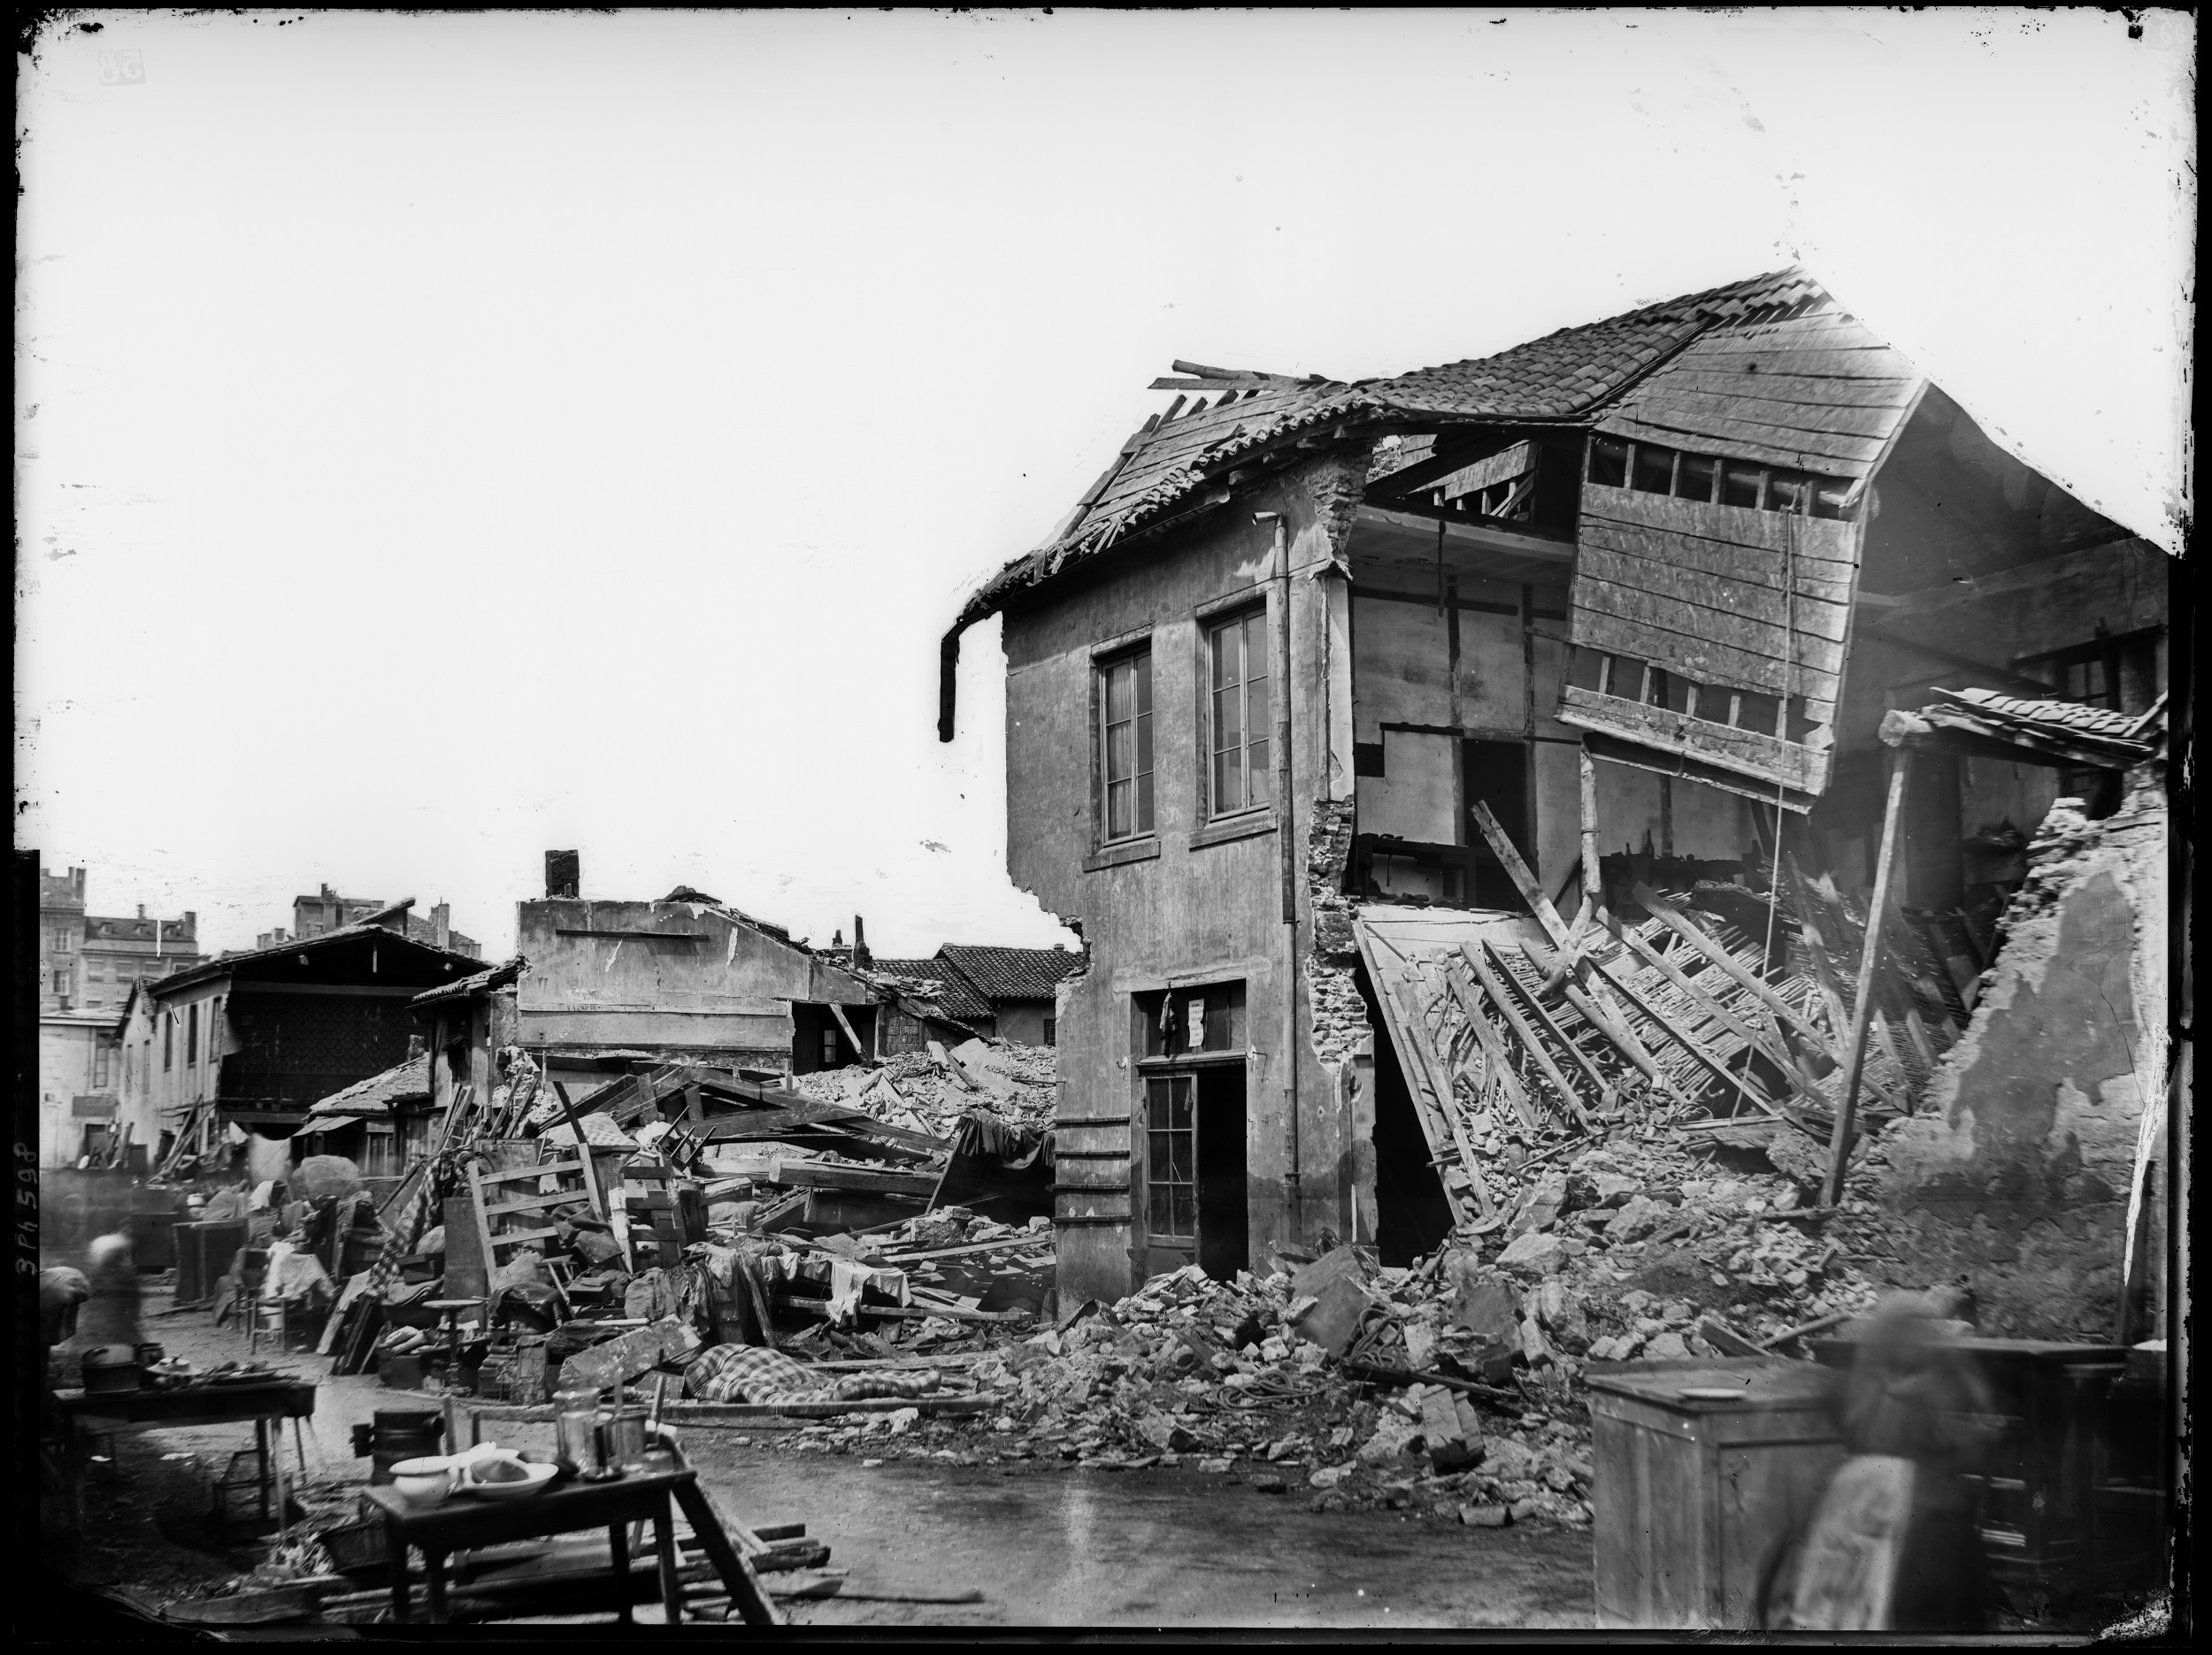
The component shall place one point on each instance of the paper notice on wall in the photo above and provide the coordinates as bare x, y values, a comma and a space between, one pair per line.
1196, 1024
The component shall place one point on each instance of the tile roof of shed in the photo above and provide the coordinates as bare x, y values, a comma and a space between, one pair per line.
400, 1084
1013, 973
476, 982
951, 992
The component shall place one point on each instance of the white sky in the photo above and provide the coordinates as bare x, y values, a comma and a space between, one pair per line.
443, 438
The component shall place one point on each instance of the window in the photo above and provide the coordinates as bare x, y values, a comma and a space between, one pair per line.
829, 1048
1125, 744
1052, 1030
168, 1036
1239, 714
1650, 469
1171, 1157
64, 939
102, 1055
61, 983
192, 1034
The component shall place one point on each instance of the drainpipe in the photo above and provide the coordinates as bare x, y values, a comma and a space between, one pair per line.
1286, 843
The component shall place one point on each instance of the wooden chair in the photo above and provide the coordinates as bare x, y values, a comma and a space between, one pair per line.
665, 1217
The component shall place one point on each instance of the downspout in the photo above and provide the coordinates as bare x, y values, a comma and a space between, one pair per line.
1288, 845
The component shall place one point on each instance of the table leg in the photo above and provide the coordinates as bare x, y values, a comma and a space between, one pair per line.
619, 1549
276, 1475
75, 1456
664, 1544
434, 1584
264, 1469
396, 1548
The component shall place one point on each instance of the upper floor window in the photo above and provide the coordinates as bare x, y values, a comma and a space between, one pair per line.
191, 1034
168, 1036
1650, 469
1240, 716
1125, 704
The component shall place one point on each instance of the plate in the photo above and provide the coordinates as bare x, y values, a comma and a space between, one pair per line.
1712, 1393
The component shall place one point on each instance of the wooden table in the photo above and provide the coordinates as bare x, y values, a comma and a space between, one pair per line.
464, 1521
131, 1412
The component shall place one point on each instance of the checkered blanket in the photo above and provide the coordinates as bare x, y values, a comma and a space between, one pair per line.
746, 1373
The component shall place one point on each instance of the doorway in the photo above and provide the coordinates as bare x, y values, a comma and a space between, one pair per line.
1195, 1207
1495, 773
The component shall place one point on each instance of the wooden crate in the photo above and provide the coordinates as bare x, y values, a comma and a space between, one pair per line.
1693, 1497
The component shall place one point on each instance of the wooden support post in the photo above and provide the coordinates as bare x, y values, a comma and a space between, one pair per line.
583, 1156
1870, 957
1593, 885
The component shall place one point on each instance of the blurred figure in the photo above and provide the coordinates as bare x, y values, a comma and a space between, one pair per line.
1894, 1545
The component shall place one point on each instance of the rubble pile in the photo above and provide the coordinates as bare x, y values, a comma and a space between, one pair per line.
929, 1090
1453, 1390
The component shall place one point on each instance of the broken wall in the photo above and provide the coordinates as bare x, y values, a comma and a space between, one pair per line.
1192, 903
2019, 1175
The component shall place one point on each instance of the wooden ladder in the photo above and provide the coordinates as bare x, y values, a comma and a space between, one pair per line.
490, 1191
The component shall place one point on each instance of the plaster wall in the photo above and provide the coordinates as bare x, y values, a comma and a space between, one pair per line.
2018, 1176
663, 975
1177, 910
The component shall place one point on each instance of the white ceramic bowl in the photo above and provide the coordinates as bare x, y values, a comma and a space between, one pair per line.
538, 1476
424, 1481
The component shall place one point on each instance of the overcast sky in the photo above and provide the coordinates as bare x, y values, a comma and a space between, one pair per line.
441, 439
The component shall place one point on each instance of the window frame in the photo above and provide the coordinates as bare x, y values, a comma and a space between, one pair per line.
1250, 620
1144, 743
1156, 1186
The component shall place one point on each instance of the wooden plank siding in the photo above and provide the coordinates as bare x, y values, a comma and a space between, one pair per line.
1819, 393
1633, 596
1749, 752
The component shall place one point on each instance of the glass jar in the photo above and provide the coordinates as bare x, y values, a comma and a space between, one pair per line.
576, 1427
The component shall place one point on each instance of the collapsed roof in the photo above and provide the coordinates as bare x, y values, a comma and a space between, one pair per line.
1186, 458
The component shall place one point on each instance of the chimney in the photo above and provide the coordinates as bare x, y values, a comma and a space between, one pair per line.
837, 939
142, 910
564, 873
329, 895
76, 882
441, 924
861, 957
191, 922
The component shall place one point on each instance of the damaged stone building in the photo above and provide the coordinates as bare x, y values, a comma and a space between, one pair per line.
1336, 711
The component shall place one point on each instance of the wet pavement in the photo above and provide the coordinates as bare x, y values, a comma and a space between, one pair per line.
1162, 1548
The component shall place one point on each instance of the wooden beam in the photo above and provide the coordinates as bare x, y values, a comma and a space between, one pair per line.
1493, 1055
1535, 1003
1502, 998
1870, 957
1437, 1086
1757, 1038
1666, 1026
